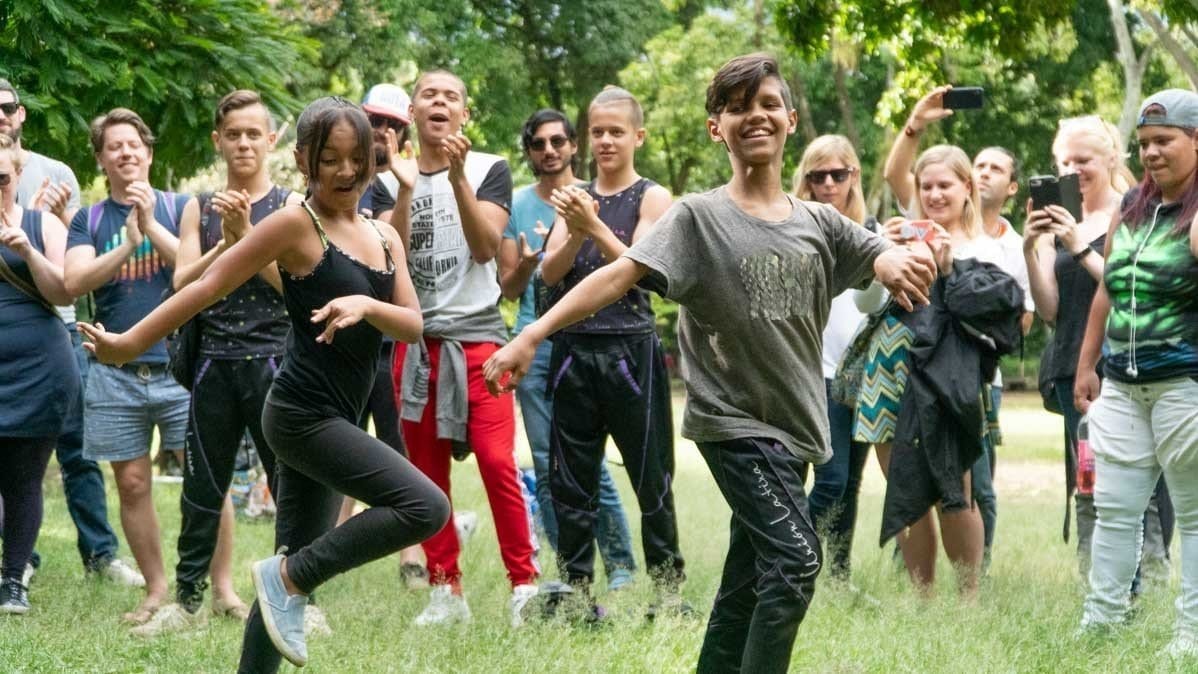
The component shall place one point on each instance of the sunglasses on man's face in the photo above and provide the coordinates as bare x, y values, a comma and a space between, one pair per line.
9, 108
5, 179
538, 144
379, 120
838, 176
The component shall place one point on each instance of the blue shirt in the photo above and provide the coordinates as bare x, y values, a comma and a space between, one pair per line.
143, 279
527, 209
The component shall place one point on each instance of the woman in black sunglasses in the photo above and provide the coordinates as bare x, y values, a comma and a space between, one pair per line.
830, 172
39, 379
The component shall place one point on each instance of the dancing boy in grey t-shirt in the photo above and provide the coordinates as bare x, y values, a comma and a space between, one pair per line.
755, 271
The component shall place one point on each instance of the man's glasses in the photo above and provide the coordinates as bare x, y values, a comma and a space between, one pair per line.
538, 144
10, 108
379, 120
5, 179
838, 175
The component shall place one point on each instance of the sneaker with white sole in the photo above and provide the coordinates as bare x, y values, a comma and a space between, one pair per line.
14, 597
465, 523
117, 571
169, 619
521, 594
1183, 646
315, 622
282, 612
444, 607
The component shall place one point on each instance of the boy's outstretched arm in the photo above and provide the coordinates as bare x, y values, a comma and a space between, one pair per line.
907, 272
599, 289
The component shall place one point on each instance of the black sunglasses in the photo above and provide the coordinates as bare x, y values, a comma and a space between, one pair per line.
379, 120
838, 175
5, 179
9, 108
538, 144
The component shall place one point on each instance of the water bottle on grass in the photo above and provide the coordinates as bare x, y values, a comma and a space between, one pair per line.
1085, 459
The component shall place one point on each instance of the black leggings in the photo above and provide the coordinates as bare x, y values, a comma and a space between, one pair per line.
319, 458
22, 466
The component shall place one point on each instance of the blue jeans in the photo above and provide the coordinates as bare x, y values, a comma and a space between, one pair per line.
982, 480
82, 481
834, 496
612, 534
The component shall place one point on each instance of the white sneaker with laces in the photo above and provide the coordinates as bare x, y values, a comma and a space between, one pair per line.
168, 619
444, 607
521, 594
315, 622
121, 573
465, 523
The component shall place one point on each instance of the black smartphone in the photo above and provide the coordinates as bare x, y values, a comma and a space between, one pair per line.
964, 98
1051, 190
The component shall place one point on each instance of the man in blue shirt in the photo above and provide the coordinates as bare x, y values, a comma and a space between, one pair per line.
549, 141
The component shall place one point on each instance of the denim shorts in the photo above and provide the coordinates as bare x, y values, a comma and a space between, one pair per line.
122, 405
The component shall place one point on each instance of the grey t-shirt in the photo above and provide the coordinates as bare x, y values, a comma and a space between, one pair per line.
37, 168
755, 298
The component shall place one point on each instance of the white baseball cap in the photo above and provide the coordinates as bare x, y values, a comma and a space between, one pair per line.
388, 100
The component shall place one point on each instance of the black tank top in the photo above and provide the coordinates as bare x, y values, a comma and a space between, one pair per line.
331, 379
632, 313
251, 322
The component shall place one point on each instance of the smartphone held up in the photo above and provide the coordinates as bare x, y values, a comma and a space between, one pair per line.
964, 98
1064, 191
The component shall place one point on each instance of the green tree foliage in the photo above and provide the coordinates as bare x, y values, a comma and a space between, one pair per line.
168, 61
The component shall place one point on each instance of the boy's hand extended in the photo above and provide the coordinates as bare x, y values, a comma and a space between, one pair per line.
908, 273
507, 366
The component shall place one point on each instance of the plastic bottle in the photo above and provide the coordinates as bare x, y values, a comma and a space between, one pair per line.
1085, 459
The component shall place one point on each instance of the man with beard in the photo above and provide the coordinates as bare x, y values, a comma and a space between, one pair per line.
48, 184
550, 144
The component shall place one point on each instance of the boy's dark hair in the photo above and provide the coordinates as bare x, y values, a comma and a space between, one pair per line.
312, 134
742, 76
236, 100
1015, 166
541, 118
117, 116
612, 94
439, 71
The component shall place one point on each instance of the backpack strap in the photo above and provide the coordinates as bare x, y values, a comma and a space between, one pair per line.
93, 218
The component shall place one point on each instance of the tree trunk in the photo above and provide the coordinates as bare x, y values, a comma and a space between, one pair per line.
1172, 46
1133, 67
799, 91
846, 106
758, 23
585, 161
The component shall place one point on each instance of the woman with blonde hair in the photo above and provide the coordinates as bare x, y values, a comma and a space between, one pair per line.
1065, 273
946, 195
830, 173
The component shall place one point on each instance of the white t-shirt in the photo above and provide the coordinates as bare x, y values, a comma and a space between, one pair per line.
1015, 263
989, 249
843, 320
454, 289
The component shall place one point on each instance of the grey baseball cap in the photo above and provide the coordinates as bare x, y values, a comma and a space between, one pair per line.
1171, 107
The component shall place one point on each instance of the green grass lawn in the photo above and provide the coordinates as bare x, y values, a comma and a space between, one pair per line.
1023, 622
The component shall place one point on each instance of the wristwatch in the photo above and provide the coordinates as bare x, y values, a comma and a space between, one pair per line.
1081, 254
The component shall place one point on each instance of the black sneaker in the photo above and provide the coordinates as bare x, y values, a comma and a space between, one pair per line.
670, 602
14, 597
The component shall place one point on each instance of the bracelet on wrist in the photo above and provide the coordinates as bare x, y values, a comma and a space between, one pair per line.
911, 132
1081, 254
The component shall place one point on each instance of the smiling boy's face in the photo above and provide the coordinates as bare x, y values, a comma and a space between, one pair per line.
755, 130
439, 106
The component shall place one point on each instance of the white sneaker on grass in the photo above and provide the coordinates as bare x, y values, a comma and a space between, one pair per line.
521, 594
1183, 646
169, 619
121, 573
282, 612
465, 523
444, 607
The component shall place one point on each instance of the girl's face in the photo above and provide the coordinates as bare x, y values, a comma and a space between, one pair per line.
824, 187
9, 175
1169, 155
1093, 169
338, 167
942, 195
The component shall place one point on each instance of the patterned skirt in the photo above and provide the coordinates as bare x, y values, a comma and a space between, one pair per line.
883, 383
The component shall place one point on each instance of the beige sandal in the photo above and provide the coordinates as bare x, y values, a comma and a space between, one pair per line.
235, 609
142, 614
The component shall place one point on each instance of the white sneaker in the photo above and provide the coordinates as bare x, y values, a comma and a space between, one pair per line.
465, 523
170, 618
121, 573
1182, 646
315, 622
28, 574
521, 594
444, 607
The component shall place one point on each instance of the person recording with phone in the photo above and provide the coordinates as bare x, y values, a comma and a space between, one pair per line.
1065, 272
